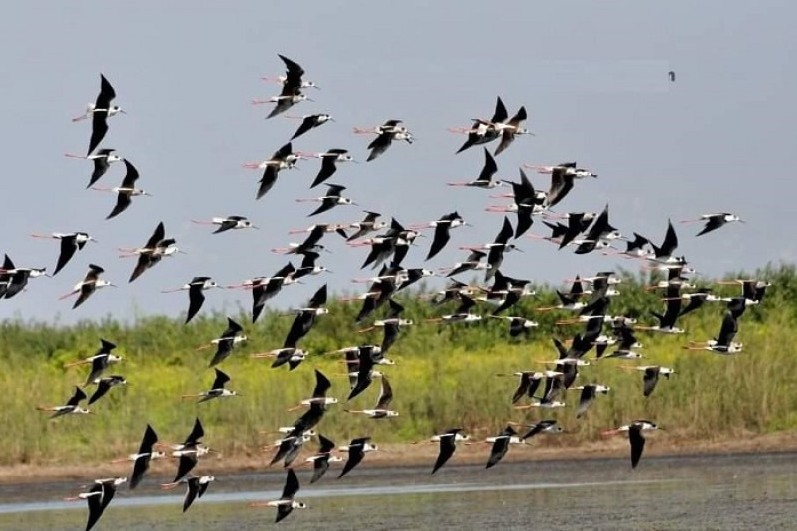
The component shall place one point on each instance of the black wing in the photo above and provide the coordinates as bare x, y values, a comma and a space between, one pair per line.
197, 432
186, 465
95, 506
195, 300
441, 237
320, 467
123, 201
447, 447
191, 493
637, 442
499, 449
322, 384
68, 248
291, 486
356, 455
489, 169
220, 381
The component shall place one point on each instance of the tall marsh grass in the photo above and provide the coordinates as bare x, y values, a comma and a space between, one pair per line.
445, 376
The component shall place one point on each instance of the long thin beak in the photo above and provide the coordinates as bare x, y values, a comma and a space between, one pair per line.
255, 227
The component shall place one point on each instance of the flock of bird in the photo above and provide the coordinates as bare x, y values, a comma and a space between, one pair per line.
386, 245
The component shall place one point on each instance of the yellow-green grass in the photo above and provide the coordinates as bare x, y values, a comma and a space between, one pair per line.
445, 376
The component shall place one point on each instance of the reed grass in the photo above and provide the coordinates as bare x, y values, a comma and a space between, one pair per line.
445, 376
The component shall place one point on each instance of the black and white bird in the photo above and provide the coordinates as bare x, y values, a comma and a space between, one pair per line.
356, 449
385, 135
100, 111
381, 410
448, 445
196, 296
292, 85
72, 405
485, 179
99, 361
189, 451
142, 458
228, 223
329, 200
287, 502
501, 444
99, 497
329, 161
714, 221
217, 389
157, 246
106, 384
311, 121
282, 159
322, 458
510, 129
319, 396
90, 283
225, 343
126, 191
588, 394
635, 437
196, 486
71, 242
483, 131
102, 160
442, 231
14, 280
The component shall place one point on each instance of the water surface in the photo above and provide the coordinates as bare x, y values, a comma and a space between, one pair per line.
701, 492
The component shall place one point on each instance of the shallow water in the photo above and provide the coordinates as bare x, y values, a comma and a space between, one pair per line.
705, 492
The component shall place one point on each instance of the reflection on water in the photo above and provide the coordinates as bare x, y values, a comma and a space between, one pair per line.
718, 492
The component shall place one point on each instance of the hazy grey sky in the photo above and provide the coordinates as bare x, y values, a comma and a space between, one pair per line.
593, 76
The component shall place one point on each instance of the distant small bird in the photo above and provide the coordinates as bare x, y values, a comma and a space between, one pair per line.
196, 297
142, 458
381, 409
102, 159
282, 159
225, 344
157, 246
448, 445
386, 133
90, 283
331, 199
99, 361
287, 503
483, 131
104, 385
217, 389
510, 129
322, 458
485, 178
329, 160
671, 75
228, 223
195, 488
714, 221
99, 497
356, 449
125, 192
311, 121
635, 437
190, 451
71, 242
442, 231
292, 86
100, 111
543, 426
71, 407
501, 445
322, 385
588, 394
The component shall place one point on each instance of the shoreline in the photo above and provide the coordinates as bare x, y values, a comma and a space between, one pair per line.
421, 454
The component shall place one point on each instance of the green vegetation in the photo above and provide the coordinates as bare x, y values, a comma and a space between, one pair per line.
444, 377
